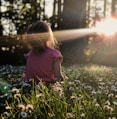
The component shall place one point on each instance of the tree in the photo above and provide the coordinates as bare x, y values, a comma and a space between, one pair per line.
21, 13
74, 14
114, 9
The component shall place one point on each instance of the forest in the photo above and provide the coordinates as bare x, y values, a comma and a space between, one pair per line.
16, 16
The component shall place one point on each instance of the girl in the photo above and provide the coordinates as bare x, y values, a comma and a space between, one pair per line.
43, 62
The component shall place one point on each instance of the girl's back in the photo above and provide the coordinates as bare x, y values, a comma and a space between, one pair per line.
41, 66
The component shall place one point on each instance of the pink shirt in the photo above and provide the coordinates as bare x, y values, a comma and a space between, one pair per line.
40, 66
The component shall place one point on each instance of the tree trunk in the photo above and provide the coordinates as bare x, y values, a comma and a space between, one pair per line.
114, 3
74, 14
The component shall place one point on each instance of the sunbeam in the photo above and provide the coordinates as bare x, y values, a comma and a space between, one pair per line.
63, 35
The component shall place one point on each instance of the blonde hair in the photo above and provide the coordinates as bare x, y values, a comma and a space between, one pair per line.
40, 36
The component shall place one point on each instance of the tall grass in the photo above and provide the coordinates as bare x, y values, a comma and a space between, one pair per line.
89, 93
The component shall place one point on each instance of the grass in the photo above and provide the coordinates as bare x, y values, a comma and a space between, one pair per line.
89, 93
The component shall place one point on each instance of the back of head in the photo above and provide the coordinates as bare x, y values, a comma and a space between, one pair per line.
37, 36
38, 27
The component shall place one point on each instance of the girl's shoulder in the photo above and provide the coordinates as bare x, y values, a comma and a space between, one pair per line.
53, 50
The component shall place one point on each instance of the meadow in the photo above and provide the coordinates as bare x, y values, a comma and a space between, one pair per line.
89, 93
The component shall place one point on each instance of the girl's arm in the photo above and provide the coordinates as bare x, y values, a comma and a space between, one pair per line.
58, 70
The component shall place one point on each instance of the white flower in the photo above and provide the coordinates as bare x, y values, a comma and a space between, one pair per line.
114, 118
82, 115
115, 103
94, 100
15, 90
107, 107
110, 95
102, 83
8, 108
94, 92
81, 107
29, 107
72, 97
6, 114
23, 114
70, 115
59, 90
71, 88
62, 82
115, 96
101, 79
99, 91
97, 105
39, 95
77, 81
17, 95
21, 106
70, 83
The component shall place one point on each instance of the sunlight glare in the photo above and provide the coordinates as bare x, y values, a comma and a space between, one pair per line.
107, 26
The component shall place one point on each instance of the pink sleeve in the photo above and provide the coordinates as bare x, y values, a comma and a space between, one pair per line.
58, 55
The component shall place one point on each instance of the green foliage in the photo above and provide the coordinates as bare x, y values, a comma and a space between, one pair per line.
89, 93
21, 13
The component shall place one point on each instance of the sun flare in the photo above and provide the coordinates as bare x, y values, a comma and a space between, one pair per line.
107, 26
